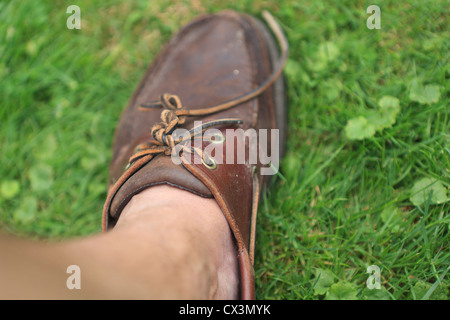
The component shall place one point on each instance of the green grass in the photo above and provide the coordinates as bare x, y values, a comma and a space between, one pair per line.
337, 206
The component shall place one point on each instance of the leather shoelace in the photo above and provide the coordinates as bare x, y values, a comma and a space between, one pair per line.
173, 113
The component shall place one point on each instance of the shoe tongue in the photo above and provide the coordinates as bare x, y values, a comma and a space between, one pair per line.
160, 170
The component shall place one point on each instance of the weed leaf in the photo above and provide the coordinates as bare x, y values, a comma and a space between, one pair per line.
421, 190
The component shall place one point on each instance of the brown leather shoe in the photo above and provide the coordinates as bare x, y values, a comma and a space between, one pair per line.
223, 70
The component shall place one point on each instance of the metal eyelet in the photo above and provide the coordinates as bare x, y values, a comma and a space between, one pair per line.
212, 165
254, 170
218, 138
137, 148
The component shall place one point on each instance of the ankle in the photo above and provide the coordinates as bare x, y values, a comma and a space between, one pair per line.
197, 226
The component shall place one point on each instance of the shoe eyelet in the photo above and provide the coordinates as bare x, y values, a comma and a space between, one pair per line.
254, 170
211, 166
137, 148
218, 138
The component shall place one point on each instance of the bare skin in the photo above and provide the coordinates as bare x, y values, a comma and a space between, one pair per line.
168, 244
